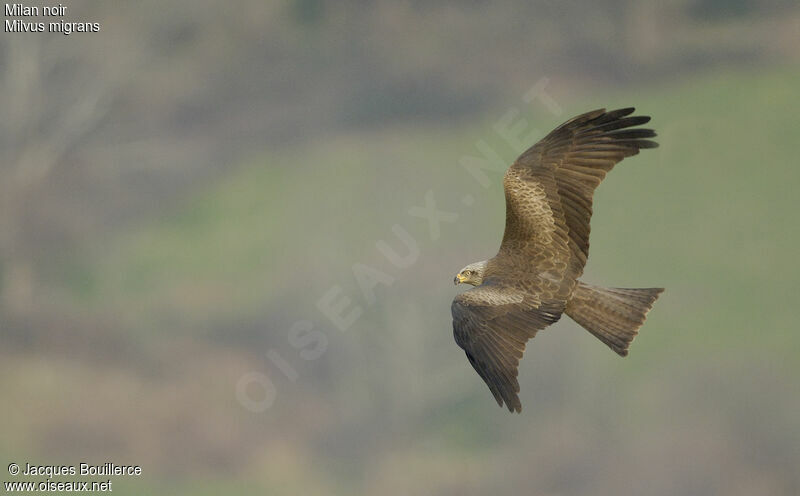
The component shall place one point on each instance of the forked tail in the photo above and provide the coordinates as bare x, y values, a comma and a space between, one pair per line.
613, 315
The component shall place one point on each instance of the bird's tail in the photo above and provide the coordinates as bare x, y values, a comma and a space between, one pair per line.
613, 315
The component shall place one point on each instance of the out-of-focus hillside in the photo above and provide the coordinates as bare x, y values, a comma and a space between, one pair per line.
184, 305
181, 190
104, 130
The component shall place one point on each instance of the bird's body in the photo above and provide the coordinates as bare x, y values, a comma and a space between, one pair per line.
533, 279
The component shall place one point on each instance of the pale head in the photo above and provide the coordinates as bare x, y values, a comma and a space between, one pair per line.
471, 274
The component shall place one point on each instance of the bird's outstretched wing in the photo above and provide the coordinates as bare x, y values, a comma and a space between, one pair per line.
549, 188
492, 323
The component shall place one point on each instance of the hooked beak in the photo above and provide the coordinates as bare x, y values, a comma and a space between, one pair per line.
458, 279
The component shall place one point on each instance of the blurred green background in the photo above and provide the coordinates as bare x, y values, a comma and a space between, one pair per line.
180, 190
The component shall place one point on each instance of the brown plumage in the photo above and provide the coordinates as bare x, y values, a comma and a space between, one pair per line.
533, 279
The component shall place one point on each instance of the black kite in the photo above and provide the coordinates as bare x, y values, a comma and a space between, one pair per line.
533, 279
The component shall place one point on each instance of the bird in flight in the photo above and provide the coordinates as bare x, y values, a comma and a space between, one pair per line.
533, 279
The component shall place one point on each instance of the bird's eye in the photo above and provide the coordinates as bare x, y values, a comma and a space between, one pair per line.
469, 272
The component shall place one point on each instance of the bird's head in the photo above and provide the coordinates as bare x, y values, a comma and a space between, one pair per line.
471, 274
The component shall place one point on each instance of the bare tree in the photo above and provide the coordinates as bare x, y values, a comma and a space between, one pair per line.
53, 102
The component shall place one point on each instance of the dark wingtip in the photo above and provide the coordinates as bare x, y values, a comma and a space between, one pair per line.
515, 406
623, 111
